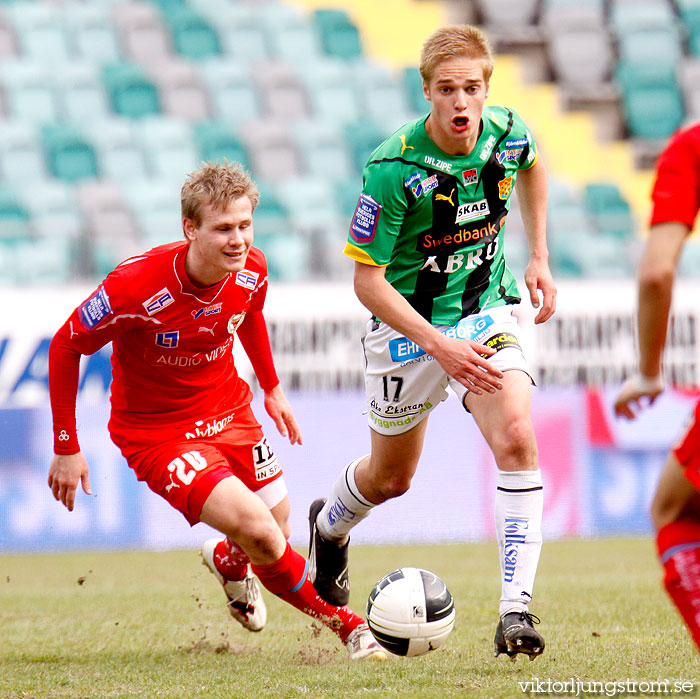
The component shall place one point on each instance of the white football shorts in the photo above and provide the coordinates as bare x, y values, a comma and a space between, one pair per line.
403, 383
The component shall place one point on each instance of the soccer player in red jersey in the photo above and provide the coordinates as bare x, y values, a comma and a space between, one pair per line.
181, 415
675, 509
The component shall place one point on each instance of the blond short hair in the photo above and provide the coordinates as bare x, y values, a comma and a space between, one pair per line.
215, 185
454, 41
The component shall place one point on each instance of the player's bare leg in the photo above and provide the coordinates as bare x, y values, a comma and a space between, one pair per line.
243, 517
504, 420
366, 482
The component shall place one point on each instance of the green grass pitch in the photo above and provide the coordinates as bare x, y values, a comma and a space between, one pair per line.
154, 625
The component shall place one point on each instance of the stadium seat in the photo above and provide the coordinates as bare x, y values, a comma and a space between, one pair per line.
131, 94
310, 200
283, 95
232, 94
512, 12
30, 91
169, 146
40, 31
689, 76
119, 153
14, 217
92, 33
288, 255
381, 95
69, 156
192, 35
53, 209
323, 150
413, 89
640, 15
649, 51
49, 263
271, 216
581, 55
216, 141
143, 36
81, 92
9, 47
182, 93
653, 111
363, 137
114, 235
572, 15
273, 154
339, 35
155, 205
330, 86
608, 209
244, 37
21, 156
291, 35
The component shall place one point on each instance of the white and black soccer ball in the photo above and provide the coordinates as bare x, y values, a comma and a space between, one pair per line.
410, 611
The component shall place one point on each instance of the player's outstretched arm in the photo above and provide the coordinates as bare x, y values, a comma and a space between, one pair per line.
656, 276
65, 473
280, 411
532, 194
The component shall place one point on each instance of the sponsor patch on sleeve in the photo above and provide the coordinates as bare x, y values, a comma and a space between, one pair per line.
247, 278
95, 309
364, 221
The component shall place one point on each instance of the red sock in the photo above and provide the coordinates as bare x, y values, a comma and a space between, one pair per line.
288, 579
679, 550
231, 560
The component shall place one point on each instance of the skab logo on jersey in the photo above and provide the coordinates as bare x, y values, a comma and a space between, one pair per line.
168, 339
247, 279
473, 210
95, 309
402, 349
158, 301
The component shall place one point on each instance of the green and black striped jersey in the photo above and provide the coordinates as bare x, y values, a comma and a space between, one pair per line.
436, 220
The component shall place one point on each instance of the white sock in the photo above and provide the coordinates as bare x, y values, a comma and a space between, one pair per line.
519, 532
345, 507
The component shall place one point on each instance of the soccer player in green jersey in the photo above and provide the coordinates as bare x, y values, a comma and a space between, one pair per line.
427, 240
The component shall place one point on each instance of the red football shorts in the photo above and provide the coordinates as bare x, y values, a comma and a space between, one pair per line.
184, 464
687, 449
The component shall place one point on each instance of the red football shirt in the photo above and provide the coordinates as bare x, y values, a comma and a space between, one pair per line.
676, 192
172, 359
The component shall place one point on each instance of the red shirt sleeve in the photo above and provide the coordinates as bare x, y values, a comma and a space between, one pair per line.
64, 368
256, 343
676, 192
83, 333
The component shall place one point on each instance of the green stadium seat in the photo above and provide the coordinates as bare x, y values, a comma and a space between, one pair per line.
655, 51
653, 111
130, 92
14, 216
413, 86
217, 141
608, 209
363, 137
271, 216
192, 35
288, 255
339, 35
69, 156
